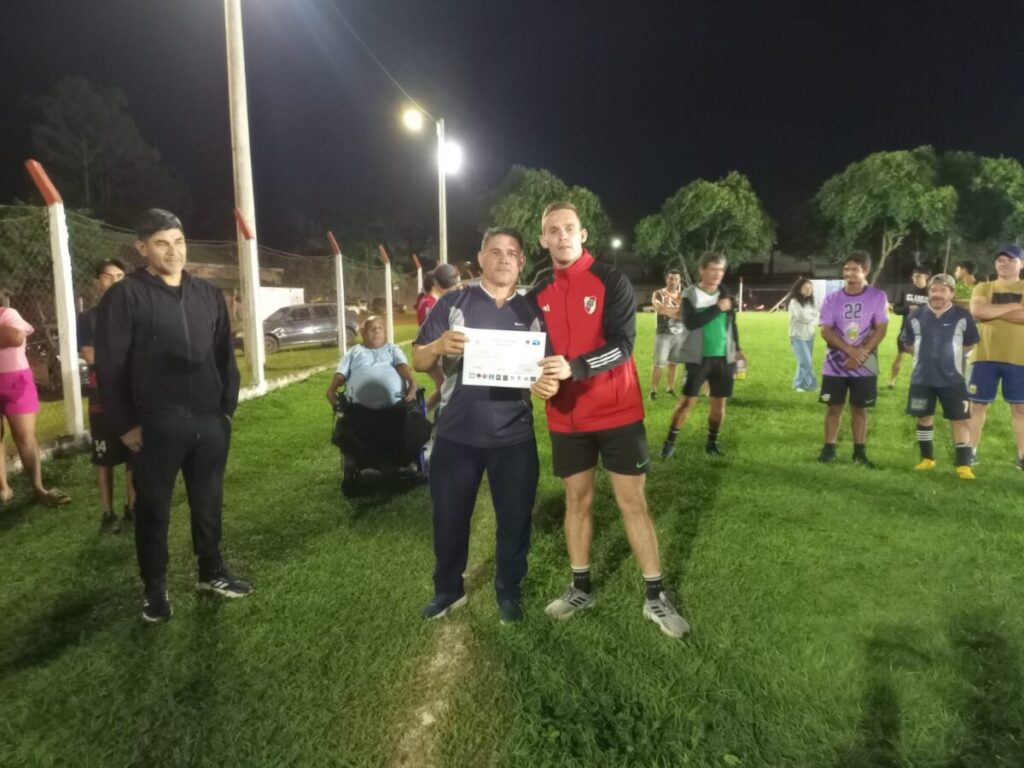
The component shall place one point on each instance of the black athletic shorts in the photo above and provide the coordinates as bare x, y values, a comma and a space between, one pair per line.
863, 390
955, 402
623, 450
107, 448
715, 371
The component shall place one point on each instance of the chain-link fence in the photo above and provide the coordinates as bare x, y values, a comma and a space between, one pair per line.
297, 301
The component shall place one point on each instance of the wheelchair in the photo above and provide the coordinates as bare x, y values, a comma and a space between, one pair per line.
382, 449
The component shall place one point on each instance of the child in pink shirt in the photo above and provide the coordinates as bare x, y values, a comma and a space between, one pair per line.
19, 403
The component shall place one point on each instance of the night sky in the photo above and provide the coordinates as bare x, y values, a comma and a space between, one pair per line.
632, 99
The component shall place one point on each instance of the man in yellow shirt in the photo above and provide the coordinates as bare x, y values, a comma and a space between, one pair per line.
998, 307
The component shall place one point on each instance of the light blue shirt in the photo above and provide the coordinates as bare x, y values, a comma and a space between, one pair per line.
371, 378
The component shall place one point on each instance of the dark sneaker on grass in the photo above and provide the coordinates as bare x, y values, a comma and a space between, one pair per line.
654, 396
128, 521
224, 584
571, 601
671, 393
442, 605
863, 461
1020, 462
156, 605
109, 523
510, 611
661, 612
828, 454
667, 449
712, 449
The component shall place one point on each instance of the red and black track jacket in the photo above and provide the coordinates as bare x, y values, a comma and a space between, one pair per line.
590, 313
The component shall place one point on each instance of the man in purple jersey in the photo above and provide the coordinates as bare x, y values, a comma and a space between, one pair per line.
853, 323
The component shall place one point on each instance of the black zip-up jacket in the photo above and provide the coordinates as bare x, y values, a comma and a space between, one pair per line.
164, 354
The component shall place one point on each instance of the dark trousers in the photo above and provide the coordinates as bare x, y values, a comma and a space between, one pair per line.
198, 447
455, 473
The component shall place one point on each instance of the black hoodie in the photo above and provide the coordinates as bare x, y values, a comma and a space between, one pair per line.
164, 352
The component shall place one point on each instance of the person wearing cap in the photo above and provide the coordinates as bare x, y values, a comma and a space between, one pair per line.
442, 279
997, 307
938, 335
910, 300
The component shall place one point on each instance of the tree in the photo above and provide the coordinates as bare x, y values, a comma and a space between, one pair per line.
1004, 177
724, 216
89, 143
521, 198
882, 198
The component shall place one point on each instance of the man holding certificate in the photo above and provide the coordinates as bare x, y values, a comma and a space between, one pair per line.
489, 341
589, 310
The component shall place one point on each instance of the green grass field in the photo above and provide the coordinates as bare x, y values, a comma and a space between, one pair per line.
842, 617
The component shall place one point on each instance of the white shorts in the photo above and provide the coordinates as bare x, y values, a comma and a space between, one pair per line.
666, 346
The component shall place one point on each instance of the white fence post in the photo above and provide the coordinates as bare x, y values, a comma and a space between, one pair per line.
252, 322
419, 274
64, 300
388, 298
339, 289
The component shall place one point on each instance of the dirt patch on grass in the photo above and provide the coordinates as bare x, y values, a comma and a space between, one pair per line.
444, 667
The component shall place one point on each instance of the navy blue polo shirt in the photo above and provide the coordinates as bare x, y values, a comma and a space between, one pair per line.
939, 344
480, 416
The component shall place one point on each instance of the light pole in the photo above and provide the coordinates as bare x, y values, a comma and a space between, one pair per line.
449, 160
616, 245
247, 255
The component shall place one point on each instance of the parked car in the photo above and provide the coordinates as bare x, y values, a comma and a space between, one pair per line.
307, 325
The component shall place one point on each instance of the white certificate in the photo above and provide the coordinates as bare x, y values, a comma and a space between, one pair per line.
501, 358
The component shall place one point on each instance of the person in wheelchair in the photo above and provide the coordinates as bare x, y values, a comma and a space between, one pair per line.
381, 425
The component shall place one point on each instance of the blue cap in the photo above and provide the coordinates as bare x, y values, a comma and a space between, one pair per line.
1011, 250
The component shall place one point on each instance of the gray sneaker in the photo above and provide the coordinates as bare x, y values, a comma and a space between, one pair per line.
571, 601
662, 613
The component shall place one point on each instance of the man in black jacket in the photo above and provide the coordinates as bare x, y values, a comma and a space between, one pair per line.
169, 382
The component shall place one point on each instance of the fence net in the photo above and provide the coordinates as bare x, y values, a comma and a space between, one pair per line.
297, 293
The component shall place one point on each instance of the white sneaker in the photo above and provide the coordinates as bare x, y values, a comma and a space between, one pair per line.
661, 612
571, 601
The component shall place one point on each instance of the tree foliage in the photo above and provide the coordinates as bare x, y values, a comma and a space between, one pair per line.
1004, 177
521, 199
724, 215
87, 139
877, 202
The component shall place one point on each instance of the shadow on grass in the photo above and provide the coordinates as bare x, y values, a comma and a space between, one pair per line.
992, 702
876, 743
74, 615
679, 515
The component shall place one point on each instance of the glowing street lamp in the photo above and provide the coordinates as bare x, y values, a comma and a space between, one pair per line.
449, 161
616, 245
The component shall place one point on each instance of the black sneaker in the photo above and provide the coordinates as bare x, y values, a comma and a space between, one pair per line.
156, 605
668, 448
109, 523
510, 611
1020, 462
671, 393
712, 449
128, 520
224, 584
654, 396
442, 605
828, 454
863, 461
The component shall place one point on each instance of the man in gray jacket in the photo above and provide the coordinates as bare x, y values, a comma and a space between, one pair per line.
710, 350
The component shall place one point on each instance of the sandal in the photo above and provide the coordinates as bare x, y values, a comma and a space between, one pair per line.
54, 497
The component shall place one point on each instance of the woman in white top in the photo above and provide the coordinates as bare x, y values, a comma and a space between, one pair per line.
803, 327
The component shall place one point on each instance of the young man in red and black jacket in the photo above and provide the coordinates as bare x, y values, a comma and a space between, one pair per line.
590, 313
